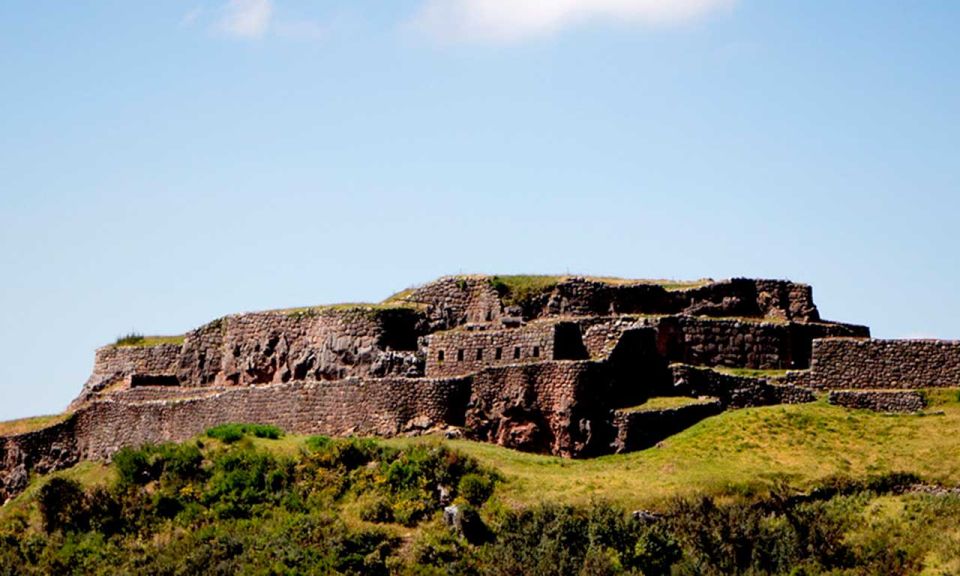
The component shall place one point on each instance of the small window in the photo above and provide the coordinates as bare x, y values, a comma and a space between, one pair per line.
516, 353
440, 356
536, 351
479, 354
498, 354
460, 355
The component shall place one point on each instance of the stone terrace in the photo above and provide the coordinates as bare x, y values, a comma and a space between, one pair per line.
572, 366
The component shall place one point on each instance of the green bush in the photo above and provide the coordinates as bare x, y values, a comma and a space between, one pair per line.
131, 339
240, 481
177, 463
376, 509
230, 433
475, 488
63, 506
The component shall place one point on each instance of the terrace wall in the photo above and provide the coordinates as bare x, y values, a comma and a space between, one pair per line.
879, 400
469, 351
742, 343
552, 407
643, 429
736, 391
114, 365
270, 348
841, 363
738, 297
453, 301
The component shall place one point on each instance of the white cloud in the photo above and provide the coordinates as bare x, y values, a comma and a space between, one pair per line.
246, 18
513, 20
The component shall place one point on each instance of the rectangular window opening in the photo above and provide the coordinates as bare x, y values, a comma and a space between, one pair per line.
536, 351
440, 356
516, 353
479, 354
498, 354
460, 355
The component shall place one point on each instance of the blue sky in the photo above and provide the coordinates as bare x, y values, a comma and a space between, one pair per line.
162, 164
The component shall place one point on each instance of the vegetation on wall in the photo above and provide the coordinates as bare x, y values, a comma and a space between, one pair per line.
135, 339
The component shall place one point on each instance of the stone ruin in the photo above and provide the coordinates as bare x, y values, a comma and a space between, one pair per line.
570, 366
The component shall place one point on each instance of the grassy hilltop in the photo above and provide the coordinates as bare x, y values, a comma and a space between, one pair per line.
798, 489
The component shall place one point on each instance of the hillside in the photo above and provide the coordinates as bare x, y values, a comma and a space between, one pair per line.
294, 504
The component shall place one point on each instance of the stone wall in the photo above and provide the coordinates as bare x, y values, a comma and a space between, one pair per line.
273, 347
879, 400
458, 352
738, 297
42, 451
736, 391
384, 407
844, 364
456, 300
739, 343
552, 407
636, 430
114, 366
453, 301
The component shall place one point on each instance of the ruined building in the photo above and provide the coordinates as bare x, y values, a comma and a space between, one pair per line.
570, 366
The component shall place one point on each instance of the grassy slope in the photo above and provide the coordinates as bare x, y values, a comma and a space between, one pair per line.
738, 451
24, 425
742, 450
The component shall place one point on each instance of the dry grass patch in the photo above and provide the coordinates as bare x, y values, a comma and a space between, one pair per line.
24, 425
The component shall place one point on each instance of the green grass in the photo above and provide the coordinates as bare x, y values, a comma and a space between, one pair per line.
134, 340
667, 402
519, 288
748, 450
24, 425
359, 307
90, 474
230, 433
749, 372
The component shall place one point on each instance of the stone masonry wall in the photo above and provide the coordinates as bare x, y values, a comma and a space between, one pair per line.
843, 363
273, 347
879, 400
639, 430
456, 300
777, 299
384, 407
553, 407
745, 344
114, 365
468, 351
736, 391
40, 452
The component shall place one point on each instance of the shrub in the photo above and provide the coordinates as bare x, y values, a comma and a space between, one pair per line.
475, 488
63, 506
133, 466
376, 509
176, 463
411, 509
230, 433
241, 480
131, 339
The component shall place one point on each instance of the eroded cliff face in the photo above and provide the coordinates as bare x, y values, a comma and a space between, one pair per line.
269, 348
